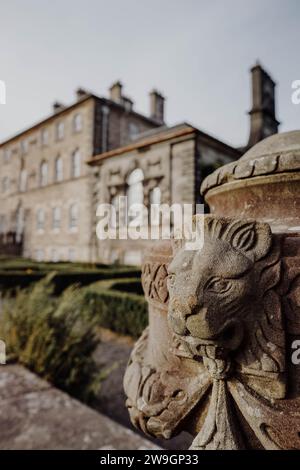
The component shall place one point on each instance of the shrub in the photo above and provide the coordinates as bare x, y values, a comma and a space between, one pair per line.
122, 312
54, 337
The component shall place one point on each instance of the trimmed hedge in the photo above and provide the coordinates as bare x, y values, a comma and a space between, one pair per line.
113, 294
63, 279
122, 312
130, 285
23, 264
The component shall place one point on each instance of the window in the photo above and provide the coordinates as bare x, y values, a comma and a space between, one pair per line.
60, 130
43, 174
77, 122
71, 254
133, 130
20, 223
45, 137
133, 258
73, 216
24, 146
58, 169
23, 180
114, 220
2, 224
40, 219
155, 195
6, 155
5, 184
105, 119
135, 190
56, 218
75, 164
154, 213
54, 256
39, 255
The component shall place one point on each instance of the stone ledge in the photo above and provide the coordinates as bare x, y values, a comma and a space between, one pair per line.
35, 415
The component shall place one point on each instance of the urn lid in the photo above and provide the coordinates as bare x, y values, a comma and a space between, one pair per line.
264, 183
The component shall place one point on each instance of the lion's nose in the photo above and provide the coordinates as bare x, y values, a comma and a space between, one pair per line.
177, 322
180, 310
198, 325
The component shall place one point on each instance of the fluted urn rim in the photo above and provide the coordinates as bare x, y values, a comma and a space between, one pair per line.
274, 155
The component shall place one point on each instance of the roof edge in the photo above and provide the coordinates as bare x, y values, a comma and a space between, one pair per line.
167, 135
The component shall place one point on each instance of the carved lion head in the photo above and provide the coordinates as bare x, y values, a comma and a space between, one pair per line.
221, 298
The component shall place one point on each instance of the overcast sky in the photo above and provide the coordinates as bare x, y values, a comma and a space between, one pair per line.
196, 52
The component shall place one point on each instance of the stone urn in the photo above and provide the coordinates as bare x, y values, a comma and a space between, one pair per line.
221, 355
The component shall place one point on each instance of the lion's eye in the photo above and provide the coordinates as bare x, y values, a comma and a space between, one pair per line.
171, 280
219, 285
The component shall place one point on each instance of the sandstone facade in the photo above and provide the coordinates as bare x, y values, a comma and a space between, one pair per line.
54, 175
45, 181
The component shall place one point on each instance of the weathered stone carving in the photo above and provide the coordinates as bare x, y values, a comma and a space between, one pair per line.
216, 357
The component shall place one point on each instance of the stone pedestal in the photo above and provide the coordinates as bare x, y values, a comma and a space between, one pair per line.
220, 356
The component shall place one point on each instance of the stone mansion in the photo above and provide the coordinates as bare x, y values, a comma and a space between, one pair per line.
54, 174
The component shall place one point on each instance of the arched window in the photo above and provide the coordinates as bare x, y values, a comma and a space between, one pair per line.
40, 219
135, 190
43, 174
23, 180
155, 195
58, 169
75, 164
56, 218
73, 216
77, 122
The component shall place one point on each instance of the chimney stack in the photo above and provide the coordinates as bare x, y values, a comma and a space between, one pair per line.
57, 106
81, 93
263, 122
116, 92
157, 104
128, 103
